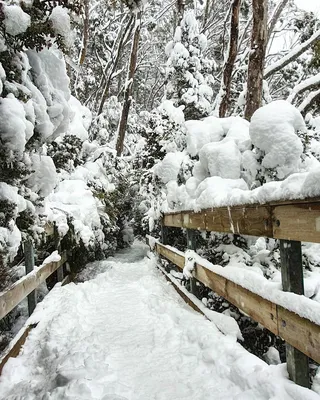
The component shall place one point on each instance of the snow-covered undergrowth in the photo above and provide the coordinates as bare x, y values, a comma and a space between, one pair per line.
237, 162
51, 172
126, 334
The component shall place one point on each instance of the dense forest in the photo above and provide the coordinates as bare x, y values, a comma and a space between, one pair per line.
113, 112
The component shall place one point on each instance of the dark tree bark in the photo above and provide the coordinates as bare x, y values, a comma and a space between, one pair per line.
129, 85
85, 38
233, 50
259, 39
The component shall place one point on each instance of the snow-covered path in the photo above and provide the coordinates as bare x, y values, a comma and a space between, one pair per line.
127, 335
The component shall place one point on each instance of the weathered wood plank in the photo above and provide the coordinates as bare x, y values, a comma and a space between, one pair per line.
170, 255
301, 333
173, 220
292, 220
299, 222
24, 286
254, 221
193, 220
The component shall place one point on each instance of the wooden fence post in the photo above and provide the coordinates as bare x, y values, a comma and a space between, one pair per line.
164, 233
192, 245
57, 245
292, 281
29, 264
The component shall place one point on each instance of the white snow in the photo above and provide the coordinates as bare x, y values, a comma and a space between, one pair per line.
169, 167
61, 23
13, 124
273, 130
175, 114
74, 199
221, 159
128, 335
81, 119
202, 132
44, 178
16, 21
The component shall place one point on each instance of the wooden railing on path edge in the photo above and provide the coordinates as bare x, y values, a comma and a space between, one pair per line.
26, 287
291, 222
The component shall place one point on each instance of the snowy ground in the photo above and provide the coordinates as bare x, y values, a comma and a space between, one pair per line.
127, 335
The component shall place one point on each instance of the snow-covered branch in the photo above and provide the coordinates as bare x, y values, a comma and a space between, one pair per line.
291, 56
303, 86
308, 101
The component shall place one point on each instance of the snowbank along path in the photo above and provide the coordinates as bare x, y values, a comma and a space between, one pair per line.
127, 335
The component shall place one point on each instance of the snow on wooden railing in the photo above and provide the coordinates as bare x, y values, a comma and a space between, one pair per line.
12, 296
27, 285
291, 222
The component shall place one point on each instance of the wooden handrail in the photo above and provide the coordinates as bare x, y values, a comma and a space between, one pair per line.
299, 332
291, 220
12, 296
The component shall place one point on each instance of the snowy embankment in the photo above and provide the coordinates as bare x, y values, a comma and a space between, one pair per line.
127, 335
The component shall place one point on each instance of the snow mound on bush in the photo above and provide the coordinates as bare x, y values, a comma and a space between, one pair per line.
168, 169
73, 199
221, 159
273, 130
202, 132
16, 21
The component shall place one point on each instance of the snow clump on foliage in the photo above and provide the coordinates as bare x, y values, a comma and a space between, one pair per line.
273, 131
16, 21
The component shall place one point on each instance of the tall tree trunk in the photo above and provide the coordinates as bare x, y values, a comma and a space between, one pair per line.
118, 50
259, 39
233, 50
129, 85
85, 37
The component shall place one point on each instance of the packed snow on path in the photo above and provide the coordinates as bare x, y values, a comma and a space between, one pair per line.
127, 335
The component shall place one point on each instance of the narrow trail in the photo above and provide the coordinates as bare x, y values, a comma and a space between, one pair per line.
127, 335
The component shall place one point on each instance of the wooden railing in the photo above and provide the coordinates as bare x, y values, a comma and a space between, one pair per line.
291, 222
26, 287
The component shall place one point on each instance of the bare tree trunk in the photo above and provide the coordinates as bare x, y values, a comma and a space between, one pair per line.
85, 38
259, 39
115, 64
129, 85
233, 50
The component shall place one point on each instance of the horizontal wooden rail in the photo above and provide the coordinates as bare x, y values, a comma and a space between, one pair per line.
293, 220
299, 332
12, 296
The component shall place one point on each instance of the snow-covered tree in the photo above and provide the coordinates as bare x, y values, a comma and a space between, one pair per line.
188, 72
